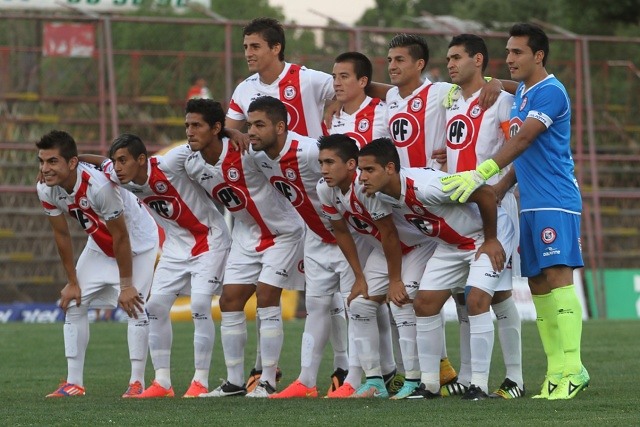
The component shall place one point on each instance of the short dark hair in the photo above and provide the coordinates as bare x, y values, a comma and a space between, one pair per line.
272, 107
415, 44
210, 110
270, 30
61, 140
343, 145
384, 152
538, 39
132, 143
361, 64
473, 45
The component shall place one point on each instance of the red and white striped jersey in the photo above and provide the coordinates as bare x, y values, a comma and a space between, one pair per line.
365, 125
417, 123
192, 223
94, 201
475, 135
263, 217
354, 207
303, 91
295, 174
423, 204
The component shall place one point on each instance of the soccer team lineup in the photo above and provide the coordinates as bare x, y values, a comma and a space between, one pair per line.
379, 201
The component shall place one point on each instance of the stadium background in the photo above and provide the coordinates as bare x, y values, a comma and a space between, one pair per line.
97, 76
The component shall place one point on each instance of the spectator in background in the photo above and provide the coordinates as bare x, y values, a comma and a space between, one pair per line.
198, 88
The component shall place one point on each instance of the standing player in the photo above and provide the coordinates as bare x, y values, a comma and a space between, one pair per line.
395, 278
470, 255
304, 92
290, 162
116, 265
193, 255
266, 252
473, 135
551, 205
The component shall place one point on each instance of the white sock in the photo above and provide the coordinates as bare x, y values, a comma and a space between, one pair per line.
271, 337
395, 341
354, 377
317, 327
464, 375
444, 337
76, 339
204, 336
430, 338
160, 336
387, 362
366, 335
138, 340
406, 323
258, 365
481, 341
233, 332
338, 334
510, 335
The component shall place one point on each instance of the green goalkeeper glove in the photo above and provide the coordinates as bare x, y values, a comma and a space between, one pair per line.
464, 183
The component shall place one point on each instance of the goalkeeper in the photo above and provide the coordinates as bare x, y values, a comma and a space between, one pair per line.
551, 205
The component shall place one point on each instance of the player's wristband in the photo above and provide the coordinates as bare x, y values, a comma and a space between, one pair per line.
125, 283
488, 168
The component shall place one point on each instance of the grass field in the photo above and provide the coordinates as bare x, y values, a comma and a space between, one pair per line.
33, 363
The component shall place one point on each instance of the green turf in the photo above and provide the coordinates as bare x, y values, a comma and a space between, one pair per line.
32, 363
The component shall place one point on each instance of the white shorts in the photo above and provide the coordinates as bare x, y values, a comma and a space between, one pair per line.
452, 269
99, 277
281, 266
326, 270
510, 205
413, 264
199, 275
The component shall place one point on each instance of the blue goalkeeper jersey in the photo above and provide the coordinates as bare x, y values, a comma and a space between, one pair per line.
545, 169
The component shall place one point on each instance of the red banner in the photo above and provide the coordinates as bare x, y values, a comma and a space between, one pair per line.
69, 40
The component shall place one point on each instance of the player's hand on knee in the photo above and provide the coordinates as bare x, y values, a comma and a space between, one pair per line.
131, 302
494, 250
397, 293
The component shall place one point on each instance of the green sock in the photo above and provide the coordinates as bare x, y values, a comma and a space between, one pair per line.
547, 322
570, 326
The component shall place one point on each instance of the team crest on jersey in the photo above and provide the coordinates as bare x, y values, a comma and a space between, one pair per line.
417, 209
289, 93
363, 125
233, 174
290, 174
416, 105
475, 111
523, 103
161, 187
548, 235
301, 266
83, 203
357, 208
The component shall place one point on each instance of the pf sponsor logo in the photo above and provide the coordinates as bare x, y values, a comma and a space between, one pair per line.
548, 235
289, 93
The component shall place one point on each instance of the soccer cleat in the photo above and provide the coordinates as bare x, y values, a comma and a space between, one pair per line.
393, 381
262, 390
407, 390
226, 389
254, 378
195, 389
570, 385
508, 390
373, 387
342, 392
296, 389
156, 390
134, 390
447, 372
337, 379
454, 388
548, 386
474, 393
422, 393
67, 390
